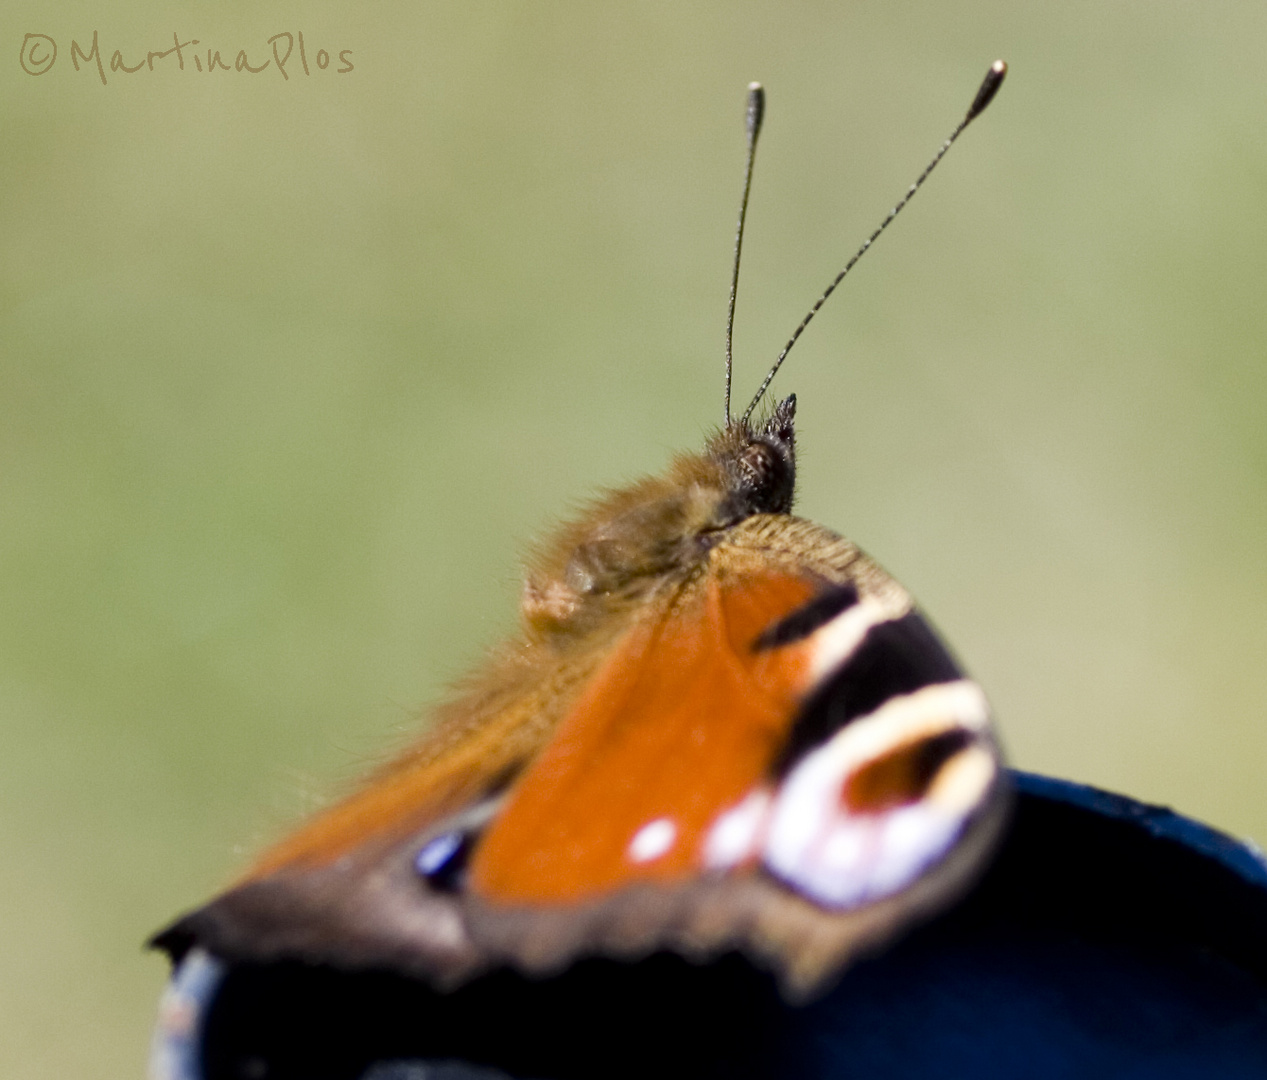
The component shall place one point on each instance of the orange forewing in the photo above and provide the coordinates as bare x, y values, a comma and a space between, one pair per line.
682, 720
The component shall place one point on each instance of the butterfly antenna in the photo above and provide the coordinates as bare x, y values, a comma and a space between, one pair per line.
989, 87
756, 110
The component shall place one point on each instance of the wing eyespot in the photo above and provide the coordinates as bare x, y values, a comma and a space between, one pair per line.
861, 816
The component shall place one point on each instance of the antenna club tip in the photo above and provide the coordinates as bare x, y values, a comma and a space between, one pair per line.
989, 87
756, 108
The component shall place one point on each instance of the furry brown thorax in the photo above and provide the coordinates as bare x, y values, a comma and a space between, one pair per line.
658, 530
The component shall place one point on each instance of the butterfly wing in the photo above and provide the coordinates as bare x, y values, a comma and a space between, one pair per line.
777, 755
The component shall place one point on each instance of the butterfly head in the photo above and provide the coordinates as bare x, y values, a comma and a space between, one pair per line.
760, 463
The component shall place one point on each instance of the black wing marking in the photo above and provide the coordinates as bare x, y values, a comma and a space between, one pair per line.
896, 657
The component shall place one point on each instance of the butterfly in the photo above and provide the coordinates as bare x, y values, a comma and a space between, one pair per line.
721, 728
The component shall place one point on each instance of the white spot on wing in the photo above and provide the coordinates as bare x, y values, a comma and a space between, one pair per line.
652, 840
736, 834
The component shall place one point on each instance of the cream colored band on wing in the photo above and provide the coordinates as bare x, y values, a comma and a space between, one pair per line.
908, 718
832, 645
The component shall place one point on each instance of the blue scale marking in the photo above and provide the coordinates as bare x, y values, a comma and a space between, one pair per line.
436, 853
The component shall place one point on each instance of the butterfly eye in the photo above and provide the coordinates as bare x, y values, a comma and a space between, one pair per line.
757, 462
765, 477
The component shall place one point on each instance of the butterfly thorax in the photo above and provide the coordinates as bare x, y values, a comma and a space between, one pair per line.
637, 541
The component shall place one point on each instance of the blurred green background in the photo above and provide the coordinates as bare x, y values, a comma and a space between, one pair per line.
290, 370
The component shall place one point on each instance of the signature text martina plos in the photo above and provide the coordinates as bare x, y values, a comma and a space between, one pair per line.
286, 54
